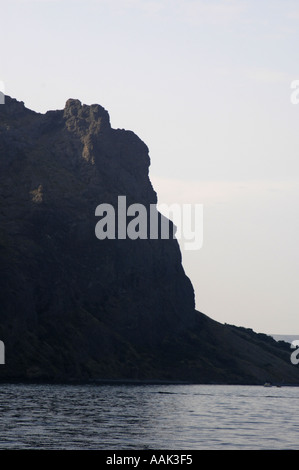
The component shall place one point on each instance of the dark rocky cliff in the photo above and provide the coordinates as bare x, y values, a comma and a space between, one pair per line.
73, 307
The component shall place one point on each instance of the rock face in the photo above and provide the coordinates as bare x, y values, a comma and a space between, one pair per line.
74, 307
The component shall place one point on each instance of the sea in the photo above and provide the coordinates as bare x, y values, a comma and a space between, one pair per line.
147, 416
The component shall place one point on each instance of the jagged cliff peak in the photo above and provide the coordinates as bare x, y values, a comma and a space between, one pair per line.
77, 114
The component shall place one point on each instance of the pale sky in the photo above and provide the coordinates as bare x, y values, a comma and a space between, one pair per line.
207, 86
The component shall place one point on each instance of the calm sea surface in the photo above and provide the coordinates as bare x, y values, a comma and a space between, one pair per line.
181, 417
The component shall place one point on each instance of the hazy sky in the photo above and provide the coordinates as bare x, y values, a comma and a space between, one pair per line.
207, 86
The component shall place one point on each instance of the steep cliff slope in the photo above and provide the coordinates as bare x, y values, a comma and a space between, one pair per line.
74, 307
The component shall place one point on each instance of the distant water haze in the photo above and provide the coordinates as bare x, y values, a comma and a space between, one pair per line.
286, 338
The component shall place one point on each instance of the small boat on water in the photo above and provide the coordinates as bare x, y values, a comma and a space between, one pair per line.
267, 384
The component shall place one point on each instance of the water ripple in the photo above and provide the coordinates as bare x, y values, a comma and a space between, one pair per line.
150, 416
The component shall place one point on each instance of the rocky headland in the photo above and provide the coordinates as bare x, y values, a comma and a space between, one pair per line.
76, 308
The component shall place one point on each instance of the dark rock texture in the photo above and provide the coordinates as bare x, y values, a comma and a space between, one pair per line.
73, 307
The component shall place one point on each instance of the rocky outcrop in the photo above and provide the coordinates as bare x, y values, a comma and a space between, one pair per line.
74, 307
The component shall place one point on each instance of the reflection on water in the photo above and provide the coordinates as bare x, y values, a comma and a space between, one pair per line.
148, 417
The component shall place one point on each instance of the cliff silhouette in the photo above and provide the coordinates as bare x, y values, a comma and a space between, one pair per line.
76, 308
